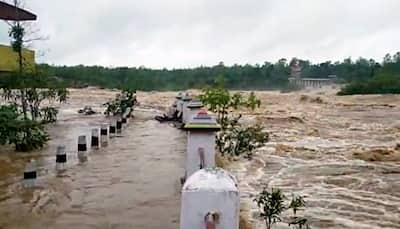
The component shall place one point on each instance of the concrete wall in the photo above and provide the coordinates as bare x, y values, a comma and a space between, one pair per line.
197, 139
9, 59
196, 204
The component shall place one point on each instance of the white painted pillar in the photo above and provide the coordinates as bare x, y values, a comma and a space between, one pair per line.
30, 174
61, 158
82, 149
104, 135
95, 140
210, 196
200, 151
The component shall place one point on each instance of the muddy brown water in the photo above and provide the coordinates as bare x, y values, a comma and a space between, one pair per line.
339, 152
131, 183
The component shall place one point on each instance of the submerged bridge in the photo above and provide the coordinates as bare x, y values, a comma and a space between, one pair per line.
311, 82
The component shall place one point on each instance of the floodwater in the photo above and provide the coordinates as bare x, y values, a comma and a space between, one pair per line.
131, 183
340, 153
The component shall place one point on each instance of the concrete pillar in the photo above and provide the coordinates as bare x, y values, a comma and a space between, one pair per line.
119, 125
185, 112
104, 135
61, 158
210, 199
200, 151
30, 174
95, 140
82, 149
113, 127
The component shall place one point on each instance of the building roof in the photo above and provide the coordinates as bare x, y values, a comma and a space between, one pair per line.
195, 104
12, 13
211, 179
202, 121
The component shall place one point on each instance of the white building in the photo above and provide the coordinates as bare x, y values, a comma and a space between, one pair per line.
210, 199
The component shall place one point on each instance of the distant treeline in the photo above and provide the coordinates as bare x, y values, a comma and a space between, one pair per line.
265, 76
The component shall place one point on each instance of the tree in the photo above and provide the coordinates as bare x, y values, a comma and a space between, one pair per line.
25, 90
234, 139
272, 205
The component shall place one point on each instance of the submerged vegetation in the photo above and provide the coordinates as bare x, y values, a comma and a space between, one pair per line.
126, 99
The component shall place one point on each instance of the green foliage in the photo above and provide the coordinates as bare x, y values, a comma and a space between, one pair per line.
234, 139
24, 134
49, 114
17, 33
220, 101
384, 79
29, 91
141, 78
126, 99
241, 140
272, 205
22, 121
297, 204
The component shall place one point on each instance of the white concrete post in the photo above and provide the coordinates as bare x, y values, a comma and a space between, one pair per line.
200, 151
30, 174
104, 135
119, 125
113, 127
210, 197
94, 141
61, 158
82, 149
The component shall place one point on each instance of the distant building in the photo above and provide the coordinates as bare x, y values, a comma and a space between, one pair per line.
296, 69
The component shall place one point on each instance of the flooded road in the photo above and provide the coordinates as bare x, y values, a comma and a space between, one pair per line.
131, 183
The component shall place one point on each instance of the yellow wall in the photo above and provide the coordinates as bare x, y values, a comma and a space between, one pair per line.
9, 59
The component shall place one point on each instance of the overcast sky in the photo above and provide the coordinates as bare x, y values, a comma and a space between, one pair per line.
186, 33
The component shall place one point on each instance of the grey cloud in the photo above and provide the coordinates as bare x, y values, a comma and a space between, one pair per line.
179, 33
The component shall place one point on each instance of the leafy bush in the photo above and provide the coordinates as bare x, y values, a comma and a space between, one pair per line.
126, 99
220, 101
386, 81
24, 134
272, 205
241, 140
234, 139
